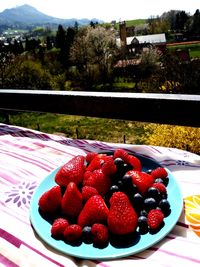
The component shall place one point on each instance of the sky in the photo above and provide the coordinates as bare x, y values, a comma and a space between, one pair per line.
106, 10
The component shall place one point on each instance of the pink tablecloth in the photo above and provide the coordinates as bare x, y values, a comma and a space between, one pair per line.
27, 157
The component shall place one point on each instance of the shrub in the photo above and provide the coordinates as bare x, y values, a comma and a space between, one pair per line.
27, 74
187, 138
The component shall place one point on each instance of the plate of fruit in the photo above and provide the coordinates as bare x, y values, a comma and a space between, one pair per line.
106, 205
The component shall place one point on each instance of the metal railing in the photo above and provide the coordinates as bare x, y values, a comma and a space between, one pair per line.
174, 109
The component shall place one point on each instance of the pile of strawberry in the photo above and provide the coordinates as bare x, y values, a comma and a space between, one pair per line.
102, 195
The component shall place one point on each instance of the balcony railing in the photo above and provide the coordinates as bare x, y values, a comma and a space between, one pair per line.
174, 109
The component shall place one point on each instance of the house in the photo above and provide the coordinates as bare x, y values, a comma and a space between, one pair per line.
136, 44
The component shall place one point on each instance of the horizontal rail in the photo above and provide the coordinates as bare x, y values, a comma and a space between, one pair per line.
174, 109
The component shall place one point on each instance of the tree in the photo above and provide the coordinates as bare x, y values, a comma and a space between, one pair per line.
27, 75
93, 52
158, 25
64, 40
6, 59
60, 37
148, 66
17, 47
195, 28
49, 43
170, 16
181, 20
182, 73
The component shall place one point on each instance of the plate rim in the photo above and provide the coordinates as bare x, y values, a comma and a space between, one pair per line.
119, 254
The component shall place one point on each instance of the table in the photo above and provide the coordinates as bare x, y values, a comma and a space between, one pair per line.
28, 156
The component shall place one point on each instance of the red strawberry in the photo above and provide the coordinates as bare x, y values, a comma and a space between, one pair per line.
159, 172
72, 171
122, 218
94, 211
109, 167
72, 233
89, 157
86, 175
121, 153
72, 200
155, 218
134, 162
99, 234
161, 187
58, 227
96, 162
98, 180
142, 180
88, 191
50, 200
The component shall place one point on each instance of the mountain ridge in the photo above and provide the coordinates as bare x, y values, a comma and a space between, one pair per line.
28, 15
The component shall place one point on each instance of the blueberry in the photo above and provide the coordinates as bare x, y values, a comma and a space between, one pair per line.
119, 162
164, 205
150, 203
142, 220
120, 185
127, 167
130, 190
154, 193
138, 200
159, 180
87, 235
121, 169
149, 171
166, 181
127, 180
143, 213
113, 189
142, 223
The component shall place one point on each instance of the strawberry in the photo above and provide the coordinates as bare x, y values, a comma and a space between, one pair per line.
72, 233
96, 162
122, 218
121, 153
94, 211
134, 162
109, 167
99, 234
142, 180
161, 187
98, 180
72, 200
159, 172
58, 227
155, 218
88, 191
72, 171
90, 155
86, 175
50, 200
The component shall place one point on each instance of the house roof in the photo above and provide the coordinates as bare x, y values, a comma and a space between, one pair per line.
150, 38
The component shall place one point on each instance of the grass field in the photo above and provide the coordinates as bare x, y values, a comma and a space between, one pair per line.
194, 48
110, 130
130, 23
107, 130
135, 22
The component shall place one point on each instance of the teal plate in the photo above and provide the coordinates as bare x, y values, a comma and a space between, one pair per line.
114, 249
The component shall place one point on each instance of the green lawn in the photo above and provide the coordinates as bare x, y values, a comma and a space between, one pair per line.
194, 49
107, 130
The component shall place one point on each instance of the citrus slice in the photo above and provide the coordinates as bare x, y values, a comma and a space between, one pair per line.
192, 212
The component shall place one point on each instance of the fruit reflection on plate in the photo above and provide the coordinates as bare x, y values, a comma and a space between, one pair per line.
117, 247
